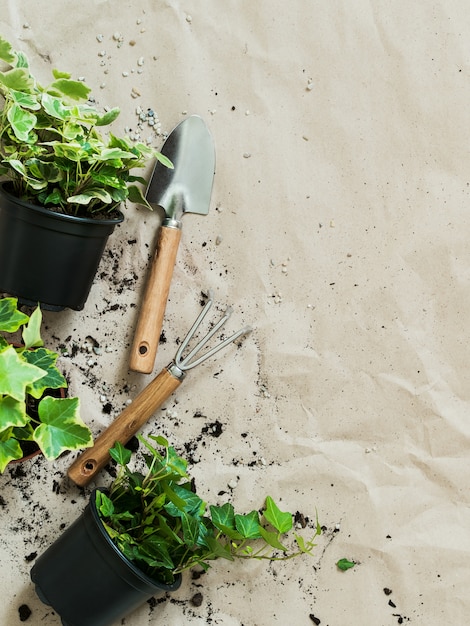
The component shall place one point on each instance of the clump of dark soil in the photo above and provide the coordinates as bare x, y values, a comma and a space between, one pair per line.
24, 612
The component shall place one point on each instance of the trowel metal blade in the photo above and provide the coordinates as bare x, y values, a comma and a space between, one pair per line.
186, 188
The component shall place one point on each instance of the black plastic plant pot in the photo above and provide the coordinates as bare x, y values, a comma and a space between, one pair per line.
87, 580
48, 257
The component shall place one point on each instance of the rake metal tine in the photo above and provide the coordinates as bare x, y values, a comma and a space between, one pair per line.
186, 362
243, 331
194, 327
210, 334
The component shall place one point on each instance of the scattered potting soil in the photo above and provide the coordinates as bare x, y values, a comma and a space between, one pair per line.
24, 612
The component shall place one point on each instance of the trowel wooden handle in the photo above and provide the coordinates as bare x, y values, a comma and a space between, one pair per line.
149, 325
92, 460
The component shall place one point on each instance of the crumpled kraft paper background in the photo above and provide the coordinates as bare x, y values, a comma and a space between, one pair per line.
338, 229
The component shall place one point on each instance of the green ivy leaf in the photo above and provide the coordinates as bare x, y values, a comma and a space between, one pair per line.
55, 107
119, 195
71, 151
109, 177
192, 502
120, 454
22, 122
61, 427
16, 374
18, 79
248, 525
190, 530
94, 193
23, 433
21, 59
223, 518
281, 521
6, 51
60, 74
108, 117
71, 131
272, 539
223, 515
104, 504
181, 500
345, 564
218, 550
52, 378
10, 318
74, 89
177, 464
26, 100
10, 450
108, 154
154, 551
44, 170
135, 195
12, 413
18, 166
55, 197
164, 160
32, 331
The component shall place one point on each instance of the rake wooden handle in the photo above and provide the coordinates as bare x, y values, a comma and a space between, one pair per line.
92, 460
150, 322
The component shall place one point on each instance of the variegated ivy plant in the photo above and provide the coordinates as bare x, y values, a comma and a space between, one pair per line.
161, 524
51, 148
27, 413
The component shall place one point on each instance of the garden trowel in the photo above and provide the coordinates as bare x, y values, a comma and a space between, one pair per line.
184, 189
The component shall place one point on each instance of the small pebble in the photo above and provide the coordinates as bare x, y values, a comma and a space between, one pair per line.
233, 483
189, 19
125, 74
99, 38
246, 155
140, 61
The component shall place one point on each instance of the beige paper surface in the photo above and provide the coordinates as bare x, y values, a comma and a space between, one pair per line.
338, 229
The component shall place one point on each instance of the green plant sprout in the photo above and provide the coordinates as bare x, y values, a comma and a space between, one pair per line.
159, 522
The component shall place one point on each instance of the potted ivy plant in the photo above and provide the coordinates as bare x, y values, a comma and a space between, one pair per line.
63, 184
31, 416
136, 539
